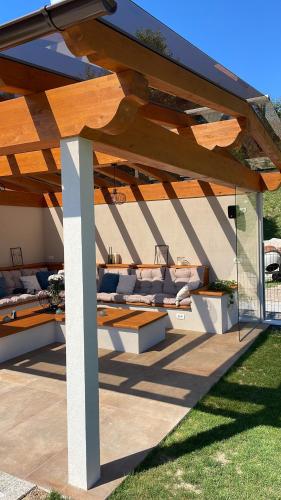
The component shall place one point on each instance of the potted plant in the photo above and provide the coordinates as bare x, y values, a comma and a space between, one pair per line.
226, 286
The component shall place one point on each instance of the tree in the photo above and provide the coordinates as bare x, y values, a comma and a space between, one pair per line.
277, 106
154, 40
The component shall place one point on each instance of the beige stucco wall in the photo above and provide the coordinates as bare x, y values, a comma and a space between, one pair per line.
21, 227
197, 229
53, 234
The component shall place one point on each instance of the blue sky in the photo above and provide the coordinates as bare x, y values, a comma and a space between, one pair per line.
243, 35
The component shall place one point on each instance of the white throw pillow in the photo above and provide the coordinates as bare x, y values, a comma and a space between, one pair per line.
182, 294
30, 283
126, 284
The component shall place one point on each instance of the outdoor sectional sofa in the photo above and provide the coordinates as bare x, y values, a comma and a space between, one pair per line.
155, 285
156, 288
13, 299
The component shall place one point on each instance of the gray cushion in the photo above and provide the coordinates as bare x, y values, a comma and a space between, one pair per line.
14, 300
105, 297
110, 297
12, 280
168, 300
176, 278
149, 280
143, 299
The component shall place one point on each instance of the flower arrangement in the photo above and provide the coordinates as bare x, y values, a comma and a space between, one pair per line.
56, 286
54, 291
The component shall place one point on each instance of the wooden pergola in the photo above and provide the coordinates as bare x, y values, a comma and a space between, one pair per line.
127, 128
79, 134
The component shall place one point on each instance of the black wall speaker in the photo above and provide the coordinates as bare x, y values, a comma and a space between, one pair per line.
232, 211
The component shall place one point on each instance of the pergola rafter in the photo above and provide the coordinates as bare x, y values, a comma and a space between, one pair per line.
115, 123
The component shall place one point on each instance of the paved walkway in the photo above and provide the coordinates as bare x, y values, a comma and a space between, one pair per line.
142, 398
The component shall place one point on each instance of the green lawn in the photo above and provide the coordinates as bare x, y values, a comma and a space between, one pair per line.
272, 284
229, 446
272, 214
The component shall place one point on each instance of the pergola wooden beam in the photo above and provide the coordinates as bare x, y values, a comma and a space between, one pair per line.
53, 179
21, 78
147, 143
27, 185
119, 175
113, 50
44, 162
157, 174
102, 183
154, 192
39, 121
165, 116
217, 134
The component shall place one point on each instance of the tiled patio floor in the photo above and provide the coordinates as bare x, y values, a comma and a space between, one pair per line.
142, 397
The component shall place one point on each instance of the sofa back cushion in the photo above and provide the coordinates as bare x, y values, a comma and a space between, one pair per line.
42, 277
176, 278
12, 279
126, 284
30, 283
109, 283
149, 280
33, 270
3, 287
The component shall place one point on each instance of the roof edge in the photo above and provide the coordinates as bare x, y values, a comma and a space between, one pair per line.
52, 18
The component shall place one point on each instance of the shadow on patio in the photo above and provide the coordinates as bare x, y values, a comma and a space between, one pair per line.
147, 394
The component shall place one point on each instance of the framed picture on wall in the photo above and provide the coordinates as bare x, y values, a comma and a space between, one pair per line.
16, 256
161, 255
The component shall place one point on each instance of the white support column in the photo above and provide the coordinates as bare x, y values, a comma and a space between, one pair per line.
81, 326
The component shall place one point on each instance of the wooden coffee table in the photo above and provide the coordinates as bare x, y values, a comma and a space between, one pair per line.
128, 330
119, 330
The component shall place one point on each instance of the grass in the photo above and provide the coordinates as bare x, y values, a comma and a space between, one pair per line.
272, 214
272, 284
229, 446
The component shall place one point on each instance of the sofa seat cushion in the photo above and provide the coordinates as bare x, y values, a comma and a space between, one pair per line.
169, 300
149, 280
135, 298
14, 300
176, 278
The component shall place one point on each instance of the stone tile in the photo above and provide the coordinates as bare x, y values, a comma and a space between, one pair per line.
29, 444
20, 403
